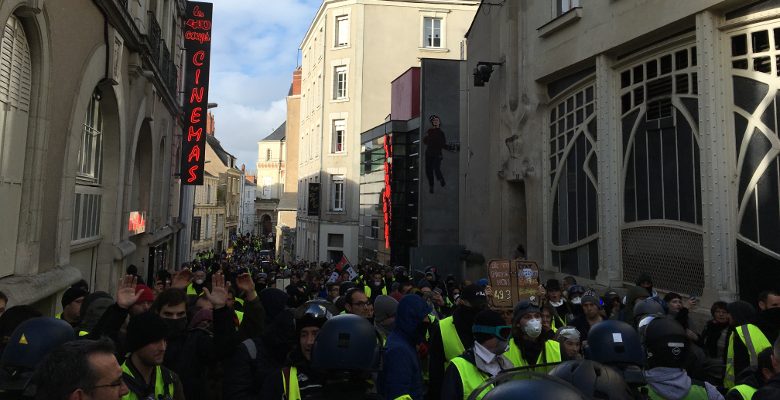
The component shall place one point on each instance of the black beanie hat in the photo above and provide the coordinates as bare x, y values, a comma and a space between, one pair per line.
487, 318
144, 329
72, 294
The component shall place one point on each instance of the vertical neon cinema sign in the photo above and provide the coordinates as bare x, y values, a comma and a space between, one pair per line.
387, 196
197, 43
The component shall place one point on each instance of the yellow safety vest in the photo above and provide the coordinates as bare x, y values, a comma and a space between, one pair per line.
470, 376
367, 291
755, 342
295, 391
160, 391
450, 340
550, 354
240, 316
191, 290
746, 391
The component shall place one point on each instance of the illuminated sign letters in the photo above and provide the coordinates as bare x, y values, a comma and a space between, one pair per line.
387, 203
197, 43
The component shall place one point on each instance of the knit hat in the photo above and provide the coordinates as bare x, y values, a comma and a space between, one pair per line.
522, 308
384, 308
144, 329
274, 301
589, 298
72, 294
147, 294
741, 312
474, 294
553, 285
487, 318
567, 333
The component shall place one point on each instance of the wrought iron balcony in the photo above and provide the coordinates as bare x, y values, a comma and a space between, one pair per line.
153, 36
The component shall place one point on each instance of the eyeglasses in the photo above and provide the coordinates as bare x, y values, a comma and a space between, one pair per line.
502, 332
115, 384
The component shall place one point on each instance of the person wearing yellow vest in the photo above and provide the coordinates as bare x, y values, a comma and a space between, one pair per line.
142, 371
561, 309
486, 359
375, 286
195, 287
744, 343
298, 380
528, 347
71, 302
449, 338
752, 379
666, 349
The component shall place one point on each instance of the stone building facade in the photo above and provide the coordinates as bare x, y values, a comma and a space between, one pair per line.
90, 144
616, 138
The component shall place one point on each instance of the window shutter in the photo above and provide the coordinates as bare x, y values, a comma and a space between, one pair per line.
15, 69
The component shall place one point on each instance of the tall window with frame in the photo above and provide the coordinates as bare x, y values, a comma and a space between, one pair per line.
339, 133
342, 31
432, 32
340, 82
89, 192
15, 98
337, 193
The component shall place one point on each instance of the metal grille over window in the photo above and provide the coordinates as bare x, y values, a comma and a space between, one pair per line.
677, 252
574, 183
88, 192
756, 67
662, 206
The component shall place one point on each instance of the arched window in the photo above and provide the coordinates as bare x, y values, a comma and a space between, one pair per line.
15, 84
86, 218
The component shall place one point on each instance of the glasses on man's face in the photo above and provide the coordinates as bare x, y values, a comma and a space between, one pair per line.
360, 304
115, 384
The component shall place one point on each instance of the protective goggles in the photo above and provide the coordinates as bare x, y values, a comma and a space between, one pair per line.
503, 332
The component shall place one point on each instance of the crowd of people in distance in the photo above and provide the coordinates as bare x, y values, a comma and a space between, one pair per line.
238, 325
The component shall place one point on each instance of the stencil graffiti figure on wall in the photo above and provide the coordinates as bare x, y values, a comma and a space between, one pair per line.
435, 141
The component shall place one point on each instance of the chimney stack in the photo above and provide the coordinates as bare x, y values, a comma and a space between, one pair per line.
296, 83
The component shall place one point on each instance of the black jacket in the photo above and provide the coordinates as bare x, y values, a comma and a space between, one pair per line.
191, 354
463, 318
770, 391
245, 375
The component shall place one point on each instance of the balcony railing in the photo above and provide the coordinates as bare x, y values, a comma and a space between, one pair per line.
153, 36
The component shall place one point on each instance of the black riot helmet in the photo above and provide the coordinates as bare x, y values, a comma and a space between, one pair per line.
596, 381
648, 306
346, 342
29, 344
666, 343
537, 389
614, 343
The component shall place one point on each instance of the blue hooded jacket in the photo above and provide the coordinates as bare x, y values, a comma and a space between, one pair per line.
402, 374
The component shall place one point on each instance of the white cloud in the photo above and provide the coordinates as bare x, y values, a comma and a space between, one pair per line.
254, 54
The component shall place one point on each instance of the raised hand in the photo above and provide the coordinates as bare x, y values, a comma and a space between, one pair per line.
125, 292
218, 293
246, 285
182, 279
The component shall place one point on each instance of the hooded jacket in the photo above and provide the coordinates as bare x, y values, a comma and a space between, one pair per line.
402, 374
770, 391
674, 383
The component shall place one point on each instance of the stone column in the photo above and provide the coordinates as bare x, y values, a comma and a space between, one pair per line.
610, 174
717, 161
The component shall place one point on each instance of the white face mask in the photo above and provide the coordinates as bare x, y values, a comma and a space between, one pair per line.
198, 281
576, 300
533, 328
557, 303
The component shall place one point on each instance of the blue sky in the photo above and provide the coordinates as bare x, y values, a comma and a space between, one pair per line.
254, 52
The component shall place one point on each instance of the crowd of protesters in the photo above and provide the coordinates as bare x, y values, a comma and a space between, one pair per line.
238, 325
